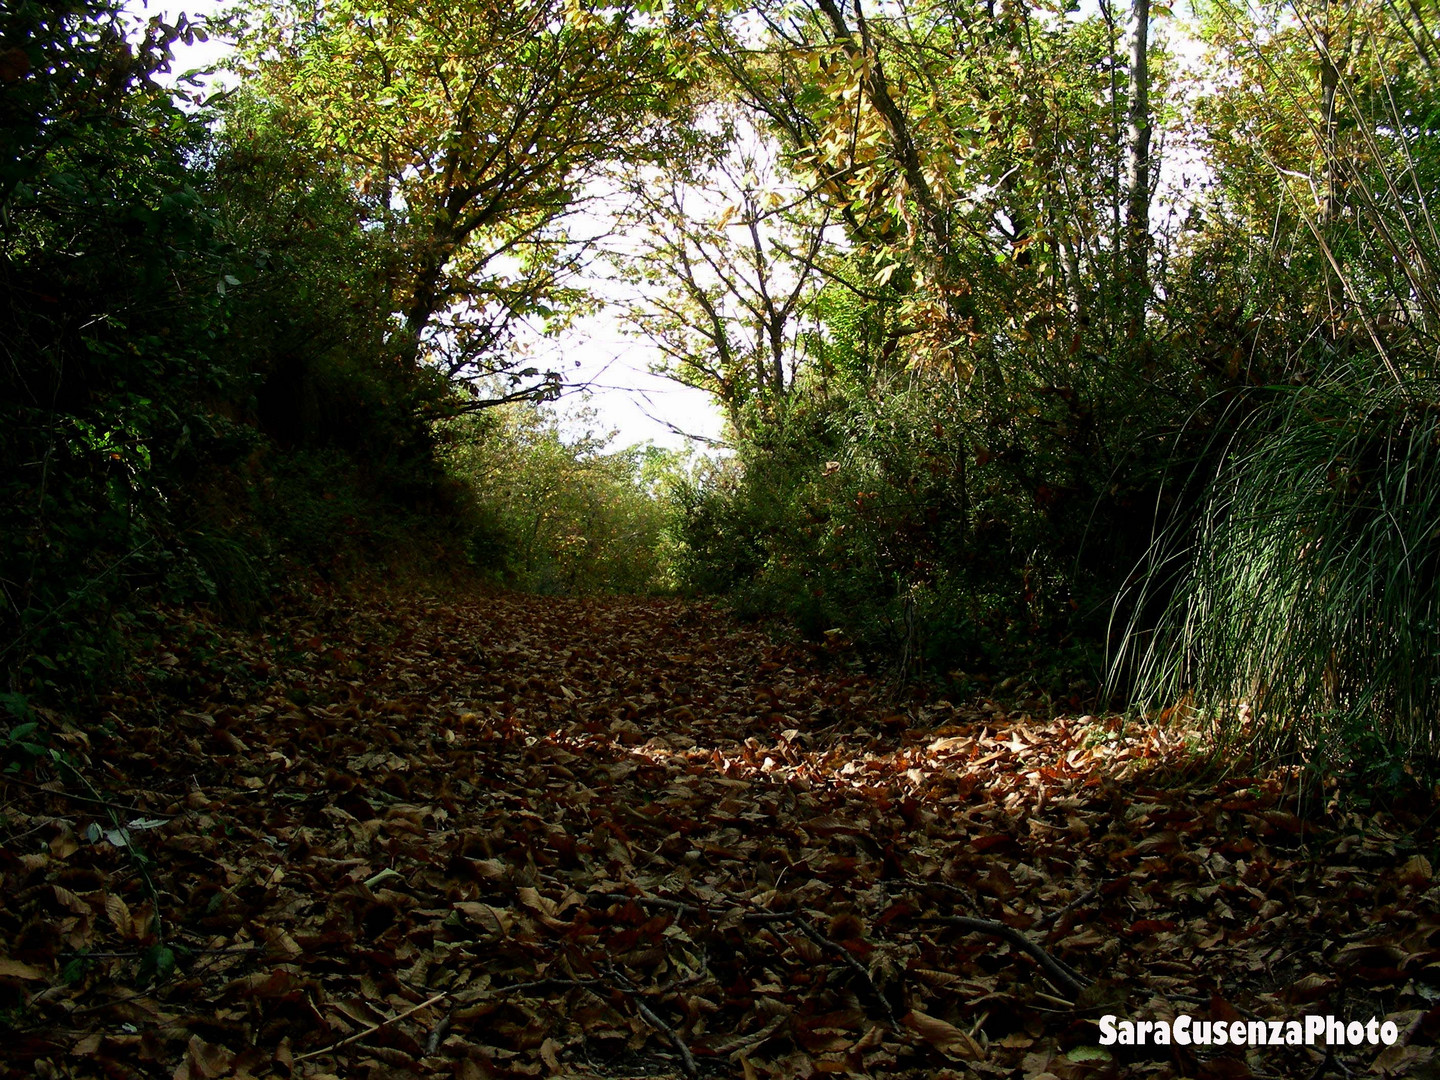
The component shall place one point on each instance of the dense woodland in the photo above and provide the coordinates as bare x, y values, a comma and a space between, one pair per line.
1049, 347
1075, 360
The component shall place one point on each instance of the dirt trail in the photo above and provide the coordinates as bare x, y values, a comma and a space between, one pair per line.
515, 837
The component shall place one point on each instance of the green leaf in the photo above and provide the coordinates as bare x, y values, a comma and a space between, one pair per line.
73, 972
17, 705
156, 963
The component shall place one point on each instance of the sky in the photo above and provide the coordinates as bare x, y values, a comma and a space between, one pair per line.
625, 395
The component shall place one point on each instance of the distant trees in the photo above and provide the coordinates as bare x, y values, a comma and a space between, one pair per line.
556, 509
724, 262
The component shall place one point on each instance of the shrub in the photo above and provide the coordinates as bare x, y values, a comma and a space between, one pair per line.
1307, 617
556, 512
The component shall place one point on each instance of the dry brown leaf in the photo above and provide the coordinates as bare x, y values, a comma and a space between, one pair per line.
119, 915
943, 1036
1310, 988
1400, 1060
1416, 871
542, 906
14, 969
204, 1061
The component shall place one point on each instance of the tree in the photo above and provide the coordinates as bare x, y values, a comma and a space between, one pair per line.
726, 263
557, 510
973, 146
1322, 149
477, 131
1137, 210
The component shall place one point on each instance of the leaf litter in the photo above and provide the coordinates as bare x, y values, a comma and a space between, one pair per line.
515, 836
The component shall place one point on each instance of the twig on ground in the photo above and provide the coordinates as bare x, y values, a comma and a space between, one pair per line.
971, 900
767, 916
130, 954
1064, 1003
73, 797
680, 983
1061, 974
1080, 901
437, 1033
553, 980
687, 1062
836, 949
678, 906
372, 1030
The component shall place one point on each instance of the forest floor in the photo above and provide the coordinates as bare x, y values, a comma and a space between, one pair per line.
515, 836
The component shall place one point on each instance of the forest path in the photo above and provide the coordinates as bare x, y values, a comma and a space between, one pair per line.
517, 836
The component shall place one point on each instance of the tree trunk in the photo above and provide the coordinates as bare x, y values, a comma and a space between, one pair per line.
1137, 215
1330, 183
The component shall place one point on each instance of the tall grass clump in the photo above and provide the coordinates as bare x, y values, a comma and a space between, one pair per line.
1298, 597
1308, 617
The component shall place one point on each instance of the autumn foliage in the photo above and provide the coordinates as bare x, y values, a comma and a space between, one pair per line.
289, 787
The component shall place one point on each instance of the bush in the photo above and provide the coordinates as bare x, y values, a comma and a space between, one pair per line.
1307, 617
558, 513
939, 526
197, 359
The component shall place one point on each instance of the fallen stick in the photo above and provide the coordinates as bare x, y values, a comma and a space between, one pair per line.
1079, 901
651, 901
1061, 974
766, 916
836, 949
371, 1031
687, 1062
74, 797
549, 980
438, 1032
971, 900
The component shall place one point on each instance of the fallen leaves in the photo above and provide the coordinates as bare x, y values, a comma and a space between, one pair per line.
515, 837
947, 1038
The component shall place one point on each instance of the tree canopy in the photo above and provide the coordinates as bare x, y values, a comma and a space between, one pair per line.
474, 134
